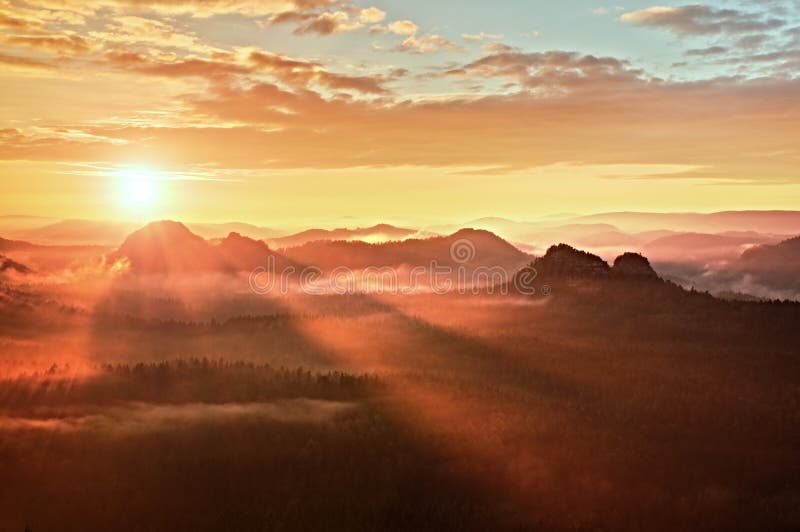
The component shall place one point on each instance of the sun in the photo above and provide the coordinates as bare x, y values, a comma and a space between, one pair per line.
141, 191
138, 188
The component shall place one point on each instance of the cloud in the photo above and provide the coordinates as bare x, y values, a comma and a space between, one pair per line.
413, 43
301, 73
498, 48
701, 20
67, 43
371, 15
781, 63
329, 23
12, 62
711, 50
478, 37
603, 10
402, 27
584, 109
305, 113
129, 30
428, 44
554, 70
193, 8
295, 73
202, 68
752, 41
18, 22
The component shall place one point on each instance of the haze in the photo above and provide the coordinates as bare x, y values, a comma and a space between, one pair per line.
304, 265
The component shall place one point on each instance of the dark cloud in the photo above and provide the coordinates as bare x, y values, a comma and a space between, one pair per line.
711, 50
551, 70
702, 20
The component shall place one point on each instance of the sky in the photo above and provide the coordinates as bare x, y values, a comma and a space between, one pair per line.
290, 110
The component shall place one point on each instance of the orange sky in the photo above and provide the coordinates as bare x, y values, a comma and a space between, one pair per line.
264, 111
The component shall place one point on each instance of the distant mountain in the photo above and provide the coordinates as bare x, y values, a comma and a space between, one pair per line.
687, 247
768, 271
50, 258
571, 233
12, 223
776, 266
544, 232
109, 233
779, 222
472, 246
611, 238
376, 233
503, 227
78, 233
212, 231
785, 254
7, 245
170, 247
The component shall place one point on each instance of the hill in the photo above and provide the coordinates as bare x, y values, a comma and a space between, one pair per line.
7, 245
780, 222
169, 247
565, 261
566, 268
78, 233
776, 266
211, 231
376, 233
479, 248
688, 247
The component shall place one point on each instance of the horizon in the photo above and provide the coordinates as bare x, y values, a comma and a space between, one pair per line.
357, 223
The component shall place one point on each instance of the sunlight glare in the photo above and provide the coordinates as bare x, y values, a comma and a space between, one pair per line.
138, 187
140, 191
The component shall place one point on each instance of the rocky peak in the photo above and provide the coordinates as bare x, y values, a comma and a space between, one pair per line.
634, 265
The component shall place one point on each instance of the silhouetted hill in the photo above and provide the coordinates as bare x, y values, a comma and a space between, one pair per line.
633, 266
783, 254
169, 247
776, 266
244, 254
243, 250
376, 233
479, 247
564, 268
563, 260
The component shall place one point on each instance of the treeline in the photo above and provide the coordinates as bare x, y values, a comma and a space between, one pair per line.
181, 381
